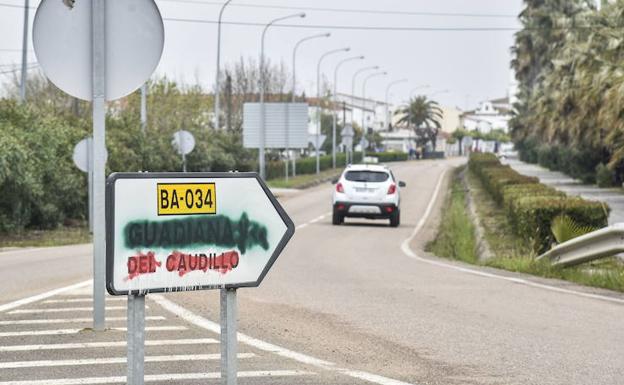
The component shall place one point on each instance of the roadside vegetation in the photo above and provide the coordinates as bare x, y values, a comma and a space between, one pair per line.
510, 250
567, 60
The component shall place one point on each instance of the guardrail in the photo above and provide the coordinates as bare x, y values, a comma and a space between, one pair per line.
598, 244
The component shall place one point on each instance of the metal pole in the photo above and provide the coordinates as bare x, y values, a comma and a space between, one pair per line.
228, 337
24, 53
143, 107
334, 105
387, 116
364, 130
98, 14
90, 181
318, 99
218, 75
353, 88
262, 90
136, 340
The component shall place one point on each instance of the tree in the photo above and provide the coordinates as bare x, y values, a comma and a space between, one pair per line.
459, 135
423, 116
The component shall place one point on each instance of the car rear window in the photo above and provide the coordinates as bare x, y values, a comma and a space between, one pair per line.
367, 176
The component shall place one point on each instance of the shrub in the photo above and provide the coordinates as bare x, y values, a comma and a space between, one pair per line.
605, 177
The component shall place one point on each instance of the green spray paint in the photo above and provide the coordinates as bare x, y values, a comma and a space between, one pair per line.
218, 230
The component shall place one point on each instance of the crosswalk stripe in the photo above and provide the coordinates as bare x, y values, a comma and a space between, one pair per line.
92, 345
70, 320
76, 331
64, 310
114, 360
160, 377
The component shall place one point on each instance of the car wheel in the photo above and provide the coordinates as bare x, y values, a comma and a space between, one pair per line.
337, 218
395, 218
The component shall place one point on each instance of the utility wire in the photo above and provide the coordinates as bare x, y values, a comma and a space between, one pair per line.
345, 10
18, 70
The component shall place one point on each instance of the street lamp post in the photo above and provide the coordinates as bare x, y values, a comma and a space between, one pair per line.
262, 90
353, 87
218, 76
411, 94
318, 98
387, 117
24, 53
294, 92
334, 102
366, 79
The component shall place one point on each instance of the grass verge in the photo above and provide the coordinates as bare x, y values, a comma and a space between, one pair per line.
303, 181
511, 253
456, 236
47, 238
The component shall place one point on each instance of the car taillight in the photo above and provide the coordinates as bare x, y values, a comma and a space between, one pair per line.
339, 188
392, 189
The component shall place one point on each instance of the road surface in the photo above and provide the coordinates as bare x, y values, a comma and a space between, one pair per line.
354, 304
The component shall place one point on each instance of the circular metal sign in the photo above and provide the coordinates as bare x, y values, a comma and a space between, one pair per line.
183, 142
83, 151
134, 43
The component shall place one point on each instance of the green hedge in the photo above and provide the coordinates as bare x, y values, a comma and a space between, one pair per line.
530, 205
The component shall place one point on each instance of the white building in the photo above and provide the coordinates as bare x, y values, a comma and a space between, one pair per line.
491, 115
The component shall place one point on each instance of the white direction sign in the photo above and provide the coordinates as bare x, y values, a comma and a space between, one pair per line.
62, 39
178, 232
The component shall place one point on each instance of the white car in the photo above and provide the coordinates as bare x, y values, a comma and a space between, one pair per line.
367, 191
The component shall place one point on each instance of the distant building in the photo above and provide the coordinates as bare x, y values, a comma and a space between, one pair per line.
491, 115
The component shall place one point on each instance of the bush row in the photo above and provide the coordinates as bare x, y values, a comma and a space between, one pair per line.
530, 205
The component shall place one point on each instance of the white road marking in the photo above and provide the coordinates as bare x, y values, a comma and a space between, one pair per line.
64, 310
161, 377
39, 297
114, 344
76, 331
87, 300
405, 247
268, 347
312, 221
70, 320
114, 360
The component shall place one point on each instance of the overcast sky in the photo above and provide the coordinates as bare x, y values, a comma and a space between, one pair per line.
472, 65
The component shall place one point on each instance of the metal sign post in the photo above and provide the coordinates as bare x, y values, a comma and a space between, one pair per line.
136, 339
228, 337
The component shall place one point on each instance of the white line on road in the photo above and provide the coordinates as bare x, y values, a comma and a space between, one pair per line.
268, 347
405, 247
114, 360
161, 377
39, 297
76, 331
86, 299
64, 310
315, 220
114, 344
70, 320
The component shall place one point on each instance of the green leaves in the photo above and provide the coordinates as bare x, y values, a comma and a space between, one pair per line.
565, 228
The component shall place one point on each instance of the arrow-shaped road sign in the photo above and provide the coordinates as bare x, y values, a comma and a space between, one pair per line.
177, 231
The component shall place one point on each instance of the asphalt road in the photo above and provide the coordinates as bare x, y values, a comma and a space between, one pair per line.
354, 304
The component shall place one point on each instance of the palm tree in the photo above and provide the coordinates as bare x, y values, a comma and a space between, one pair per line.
423, 116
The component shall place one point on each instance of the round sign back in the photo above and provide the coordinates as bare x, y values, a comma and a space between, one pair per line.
134, 43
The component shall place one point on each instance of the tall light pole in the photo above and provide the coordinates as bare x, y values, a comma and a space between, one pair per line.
24, 53
334, 104
294, 89
218, 75
353, 86
318, 98
262, 90
411, 94
387, 117
366, 79
438, 93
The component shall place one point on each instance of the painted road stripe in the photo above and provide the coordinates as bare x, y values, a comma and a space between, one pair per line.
317, 219
161, 377
114, 344
76, 331
39, 297
70, 320
407, 250
268, 347
114, 360
85, 300
64, 310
